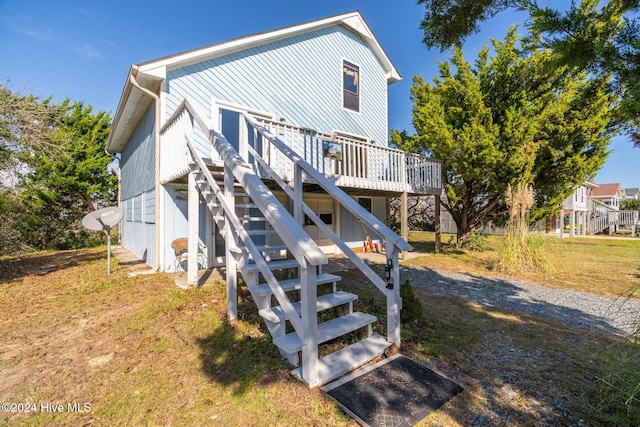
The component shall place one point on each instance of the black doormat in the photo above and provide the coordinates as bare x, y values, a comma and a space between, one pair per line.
398, 392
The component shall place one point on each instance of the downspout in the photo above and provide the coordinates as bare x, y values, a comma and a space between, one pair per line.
156, 98
118, 175
114, 157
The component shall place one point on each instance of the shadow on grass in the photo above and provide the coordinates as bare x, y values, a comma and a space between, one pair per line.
239, 361
18, 266
502, 361
240, 353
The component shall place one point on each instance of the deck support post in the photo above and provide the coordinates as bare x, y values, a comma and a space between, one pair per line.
309, 312
231, 242
394, 303
572, 223
404, 220
193, 206
438, 225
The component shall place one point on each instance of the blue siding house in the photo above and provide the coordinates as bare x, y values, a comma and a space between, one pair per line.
266, 153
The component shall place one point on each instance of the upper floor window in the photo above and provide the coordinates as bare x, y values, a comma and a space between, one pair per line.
350, 86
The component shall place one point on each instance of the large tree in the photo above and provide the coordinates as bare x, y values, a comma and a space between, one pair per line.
593, 36
53, 155
509, 119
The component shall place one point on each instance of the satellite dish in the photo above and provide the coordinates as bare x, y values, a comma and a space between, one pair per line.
104, 219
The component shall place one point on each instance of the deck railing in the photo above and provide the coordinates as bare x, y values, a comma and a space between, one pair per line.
603, 216
173, 153
351, 161
624, 218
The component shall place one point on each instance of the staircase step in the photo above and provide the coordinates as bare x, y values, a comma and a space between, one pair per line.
334, 328
263, 290
252, 218
347, 359
325, 302
246, 205
272, 248
275, 265
261, 232
243, 218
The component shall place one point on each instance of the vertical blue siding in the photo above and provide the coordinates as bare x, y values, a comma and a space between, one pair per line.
176, 224
138, 190
298, 79
138, 158
351, 230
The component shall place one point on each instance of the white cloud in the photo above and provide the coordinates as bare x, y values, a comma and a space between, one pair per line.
82, 49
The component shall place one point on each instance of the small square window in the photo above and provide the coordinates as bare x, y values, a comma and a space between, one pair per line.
365, 202
350, 86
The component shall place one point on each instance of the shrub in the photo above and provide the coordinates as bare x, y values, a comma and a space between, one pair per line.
411, 305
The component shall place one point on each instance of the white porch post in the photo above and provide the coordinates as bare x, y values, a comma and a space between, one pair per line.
194, 222
404, 219
572, 223
231, 241
438, 225
309, 301
394, 303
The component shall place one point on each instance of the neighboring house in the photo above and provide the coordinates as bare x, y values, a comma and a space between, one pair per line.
609, 194
632, 193
267, 152
593, 209
578, 206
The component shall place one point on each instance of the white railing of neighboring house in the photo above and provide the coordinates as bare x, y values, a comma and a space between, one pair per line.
624, 218
599, 216
357, 163
603, 216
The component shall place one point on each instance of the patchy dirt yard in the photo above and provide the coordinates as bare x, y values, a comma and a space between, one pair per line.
79, 347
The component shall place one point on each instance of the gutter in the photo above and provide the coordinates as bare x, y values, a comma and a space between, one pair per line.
156, 98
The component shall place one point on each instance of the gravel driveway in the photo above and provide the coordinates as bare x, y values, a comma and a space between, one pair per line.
573, 308
620, 316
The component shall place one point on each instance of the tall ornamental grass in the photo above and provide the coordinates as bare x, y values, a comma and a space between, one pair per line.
520, 250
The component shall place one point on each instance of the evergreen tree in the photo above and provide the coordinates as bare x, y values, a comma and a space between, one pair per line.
53, 157
509, 120
600, 38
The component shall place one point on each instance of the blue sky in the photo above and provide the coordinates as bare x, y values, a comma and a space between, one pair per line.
83, 49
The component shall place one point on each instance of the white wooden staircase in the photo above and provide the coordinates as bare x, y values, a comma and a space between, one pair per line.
280, 263
603, 217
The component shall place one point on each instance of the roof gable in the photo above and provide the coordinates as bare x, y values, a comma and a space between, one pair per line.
352, 21
149, 75
607, 190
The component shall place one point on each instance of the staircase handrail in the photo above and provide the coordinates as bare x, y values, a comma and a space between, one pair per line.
357, 261
296, 321
367, 218
601, 204
244, 236
304, 249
